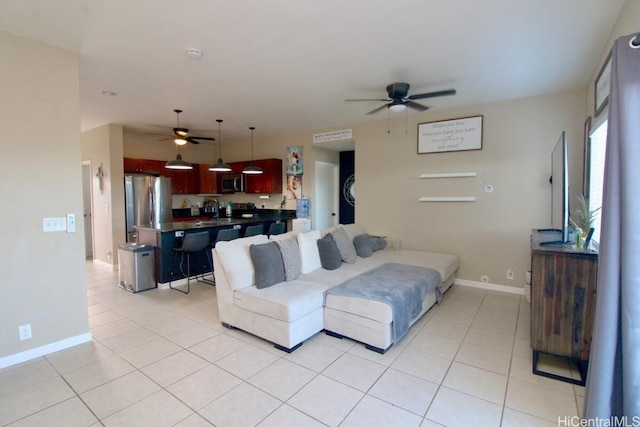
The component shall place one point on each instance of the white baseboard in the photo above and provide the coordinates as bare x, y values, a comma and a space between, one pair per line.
34, 353
490, 286
114, 267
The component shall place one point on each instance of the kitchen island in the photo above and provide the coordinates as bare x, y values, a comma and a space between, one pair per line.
165, 237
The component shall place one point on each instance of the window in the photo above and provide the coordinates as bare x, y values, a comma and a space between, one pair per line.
598, 145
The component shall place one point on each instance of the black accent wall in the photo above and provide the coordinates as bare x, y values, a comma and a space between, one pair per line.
347, 172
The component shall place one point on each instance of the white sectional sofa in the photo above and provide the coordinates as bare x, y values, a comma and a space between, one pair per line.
288, 312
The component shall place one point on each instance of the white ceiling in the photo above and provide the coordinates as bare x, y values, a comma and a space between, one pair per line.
287, 65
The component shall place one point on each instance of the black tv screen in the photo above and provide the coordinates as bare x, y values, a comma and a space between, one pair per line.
560, 189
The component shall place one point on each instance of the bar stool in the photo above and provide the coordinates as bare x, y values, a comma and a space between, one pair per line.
225, 235
254, 230
192, 243
276, 228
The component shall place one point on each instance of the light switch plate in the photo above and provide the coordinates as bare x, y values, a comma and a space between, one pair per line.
54, 224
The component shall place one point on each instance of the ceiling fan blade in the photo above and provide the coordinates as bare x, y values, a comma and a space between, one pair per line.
433, 94
379, 100
378, 109
416, 106
191, 140
202, 138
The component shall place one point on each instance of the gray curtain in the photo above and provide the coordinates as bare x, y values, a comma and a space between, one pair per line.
613, 381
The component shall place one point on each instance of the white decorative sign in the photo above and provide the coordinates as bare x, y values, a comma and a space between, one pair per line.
335, 135
450, 135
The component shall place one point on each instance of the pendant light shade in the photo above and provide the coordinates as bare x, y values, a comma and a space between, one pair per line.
178, 163
220, 166
252, 169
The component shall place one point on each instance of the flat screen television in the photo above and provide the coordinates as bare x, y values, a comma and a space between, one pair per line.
560, 189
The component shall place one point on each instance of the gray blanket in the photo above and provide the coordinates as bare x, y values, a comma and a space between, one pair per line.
402, 287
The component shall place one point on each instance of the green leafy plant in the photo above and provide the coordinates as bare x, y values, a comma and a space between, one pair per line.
584, 216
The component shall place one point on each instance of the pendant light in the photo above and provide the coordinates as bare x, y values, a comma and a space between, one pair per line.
220, 166
252, 169
178, 163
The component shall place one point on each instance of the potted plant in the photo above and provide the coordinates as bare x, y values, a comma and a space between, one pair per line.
584, 218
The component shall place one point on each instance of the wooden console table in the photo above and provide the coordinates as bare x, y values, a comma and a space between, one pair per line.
563, 297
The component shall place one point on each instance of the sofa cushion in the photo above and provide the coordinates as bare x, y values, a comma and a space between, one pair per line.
291, 258
286, 301
345, 246
309, 251
353, 230
445, 264
284, 236
330, 257
267, 263
363, 245
236, 260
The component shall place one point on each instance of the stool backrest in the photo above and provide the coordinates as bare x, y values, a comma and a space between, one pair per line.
227, 234
276, 228
194, 242
254, 230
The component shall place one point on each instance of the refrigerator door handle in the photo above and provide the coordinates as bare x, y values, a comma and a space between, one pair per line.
152, 203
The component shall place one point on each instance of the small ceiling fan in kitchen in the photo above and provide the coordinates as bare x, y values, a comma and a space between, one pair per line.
399, 98
181, 135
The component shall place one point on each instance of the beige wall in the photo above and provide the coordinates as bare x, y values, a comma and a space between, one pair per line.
491, 234
103, 147
43, 274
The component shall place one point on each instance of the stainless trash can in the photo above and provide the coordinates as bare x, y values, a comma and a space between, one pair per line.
137, 267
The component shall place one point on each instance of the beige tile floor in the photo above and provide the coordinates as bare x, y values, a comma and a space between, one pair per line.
161, 358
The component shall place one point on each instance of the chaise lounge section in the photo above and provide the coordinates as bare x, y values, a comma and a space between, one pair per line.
289, 304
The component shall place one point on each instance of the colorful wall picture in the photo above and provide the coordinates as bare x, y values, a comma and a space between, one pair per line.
294, 160
294, 187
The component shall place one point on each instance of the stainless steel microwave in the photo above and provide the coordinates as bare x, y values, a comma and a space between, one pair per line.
233, 183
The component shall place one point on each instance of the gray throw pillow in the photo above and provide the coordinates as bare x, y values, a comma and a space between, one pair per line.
330, 257
290, 257
363, 245
345, 246
267, 263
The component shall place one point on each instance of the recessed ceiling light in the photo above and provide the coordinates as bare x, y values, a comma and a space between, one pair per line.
109, 93
194, 54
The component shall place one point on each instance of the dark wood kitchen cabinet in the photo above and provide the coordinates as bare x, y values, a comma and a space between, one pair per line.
184, 181
209, 181
268, 182
155, 167
563, 298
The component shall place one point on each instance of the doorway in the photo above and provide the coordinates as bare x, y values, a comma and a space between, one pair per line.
326, 195
87, 208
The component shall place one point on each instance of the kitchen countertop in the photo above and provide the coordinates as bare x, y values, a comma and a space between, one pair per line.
193, 225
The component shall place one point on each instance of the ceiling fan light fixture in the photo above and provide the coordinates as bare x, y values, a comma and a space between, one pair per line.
396, 108
178, 163
180, 141
252, 169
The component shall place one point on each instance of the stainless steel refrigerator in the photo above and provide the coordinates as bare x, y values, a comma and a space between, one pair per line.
147, 202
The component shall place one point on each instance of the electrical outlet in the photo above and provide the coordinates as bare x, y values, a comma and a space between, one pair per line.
24, 332
510, 273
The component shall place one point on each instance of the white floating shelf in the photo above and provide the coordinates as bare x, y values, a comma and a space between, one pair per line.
448, 175
448, 199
